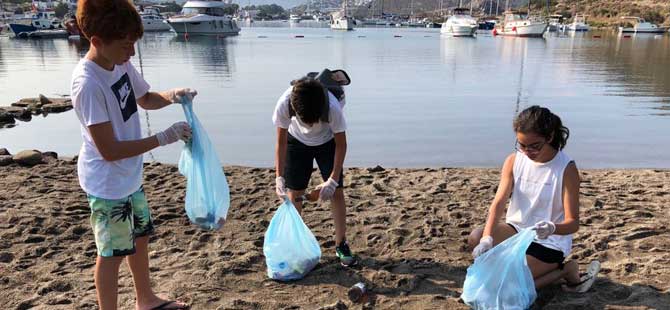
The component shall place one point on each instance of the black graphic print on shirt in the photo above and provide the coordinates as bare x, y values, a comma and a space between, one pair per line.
125, 96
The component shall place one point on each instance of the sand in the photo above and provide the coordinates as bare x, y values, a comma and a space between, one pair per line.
409, 226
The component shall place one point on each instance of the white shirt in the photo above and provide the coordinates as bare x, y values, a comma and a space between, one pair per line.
316, 134
538, 196
100, 96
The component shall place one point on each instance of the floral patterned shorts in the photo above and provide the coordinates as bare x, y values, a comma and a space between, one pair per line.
117, 222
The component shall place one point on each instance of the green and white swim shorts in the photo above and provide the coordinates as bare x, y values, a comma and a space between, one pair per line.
117, 223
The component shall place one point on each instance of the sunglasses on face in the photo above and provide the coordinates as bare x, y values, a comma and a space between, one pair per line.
525, 148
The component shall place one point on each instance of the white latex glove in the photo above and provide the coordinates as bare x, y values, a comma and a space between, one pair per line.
176, 95
544, 229
280, 187
327, 189
485, 244
178, 131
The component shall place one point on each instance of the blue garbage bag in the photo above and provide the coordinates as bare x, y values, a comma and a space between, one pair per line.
207, 192
500, 278
290, 248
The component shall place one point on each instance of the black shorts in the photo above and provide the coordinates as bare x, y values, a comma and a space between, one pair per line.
543, 253
300, 159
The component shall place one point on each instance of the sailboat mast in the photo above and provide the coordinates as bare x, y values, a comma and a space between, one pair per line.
382, 9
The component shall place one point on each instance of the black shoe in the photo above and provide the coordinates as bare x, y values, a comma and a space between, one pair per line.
344, 254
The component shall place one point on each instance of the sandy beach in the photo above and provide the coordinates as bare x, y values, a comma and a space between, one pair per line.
409, 227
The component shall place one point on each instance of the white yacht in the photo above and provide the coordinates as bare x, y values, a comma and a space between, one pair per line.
341, 20
518, 24
555, 22
204, 18
639, 25
294, 18
319, 17
579, 24
460, 24
152, 20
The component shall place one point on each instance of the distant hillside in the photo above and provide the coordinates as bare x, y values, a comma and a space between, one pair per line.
601, 12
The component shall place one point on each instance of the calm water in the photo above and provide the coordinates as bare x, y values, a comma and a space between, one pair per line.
417, 100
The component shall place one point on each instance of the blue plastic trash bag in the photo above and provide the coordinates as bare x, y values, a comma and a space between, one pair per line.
207, 192
290, 248
500, 278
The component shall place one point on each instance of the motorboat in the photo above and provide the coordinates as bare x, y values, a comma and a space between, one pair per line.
518, 24
555, 23
294, 18
40, 20
632, 24
579, 24
152, 20
460, 24
204, 18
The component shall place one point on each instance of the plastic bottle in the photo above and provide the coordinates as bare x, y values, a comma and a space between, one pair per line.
312, 196
357, 291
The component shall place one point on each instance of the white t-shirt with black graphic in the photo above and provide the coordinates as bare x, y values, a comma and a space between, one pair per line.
100, 96
311, 135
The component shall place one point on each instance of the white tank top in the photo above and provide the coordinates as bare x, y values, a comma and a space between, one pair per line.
538, 196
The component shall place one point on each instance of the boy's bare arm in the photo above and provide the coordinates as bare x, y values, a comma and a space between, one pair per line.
159, 100
111, 149
154, 100
340, 154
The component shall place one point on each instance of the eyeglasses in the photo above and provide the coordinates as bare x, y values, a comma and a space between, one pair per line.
535, 147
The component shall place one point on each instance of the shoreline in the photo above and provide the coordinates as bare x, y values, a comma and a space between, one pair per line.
409, 226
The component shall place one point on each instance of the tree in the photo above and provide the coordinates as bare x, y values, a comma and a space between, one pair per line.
61, 9
172, 7
231, 9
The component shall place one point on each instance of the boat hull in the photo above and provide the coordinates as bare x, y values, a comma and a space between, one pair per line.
633, 30
526, 31
459, 31
219, 27
18, 29
155, 25
342, 24
579, 28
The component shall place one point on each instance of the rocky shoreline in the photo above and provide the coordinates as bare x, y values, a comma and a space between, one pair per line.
409, 227
26, 158
26, 108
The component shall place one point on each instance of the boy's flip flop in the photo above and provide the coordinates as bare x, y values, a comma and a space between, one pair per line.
164, 306
587, 280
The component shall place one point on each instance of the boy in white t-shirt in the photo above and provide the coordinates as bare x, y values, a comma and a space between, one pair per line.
311, 126
106, 90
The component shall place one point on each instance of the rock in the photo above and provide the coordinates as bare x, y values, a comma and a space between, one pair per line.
377, 168
28, 158
6, 118
18, 113
35, 109
4, 151
6, 160
25, 102
53, 155
6, 257
44, 100
57, 107
339, 305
